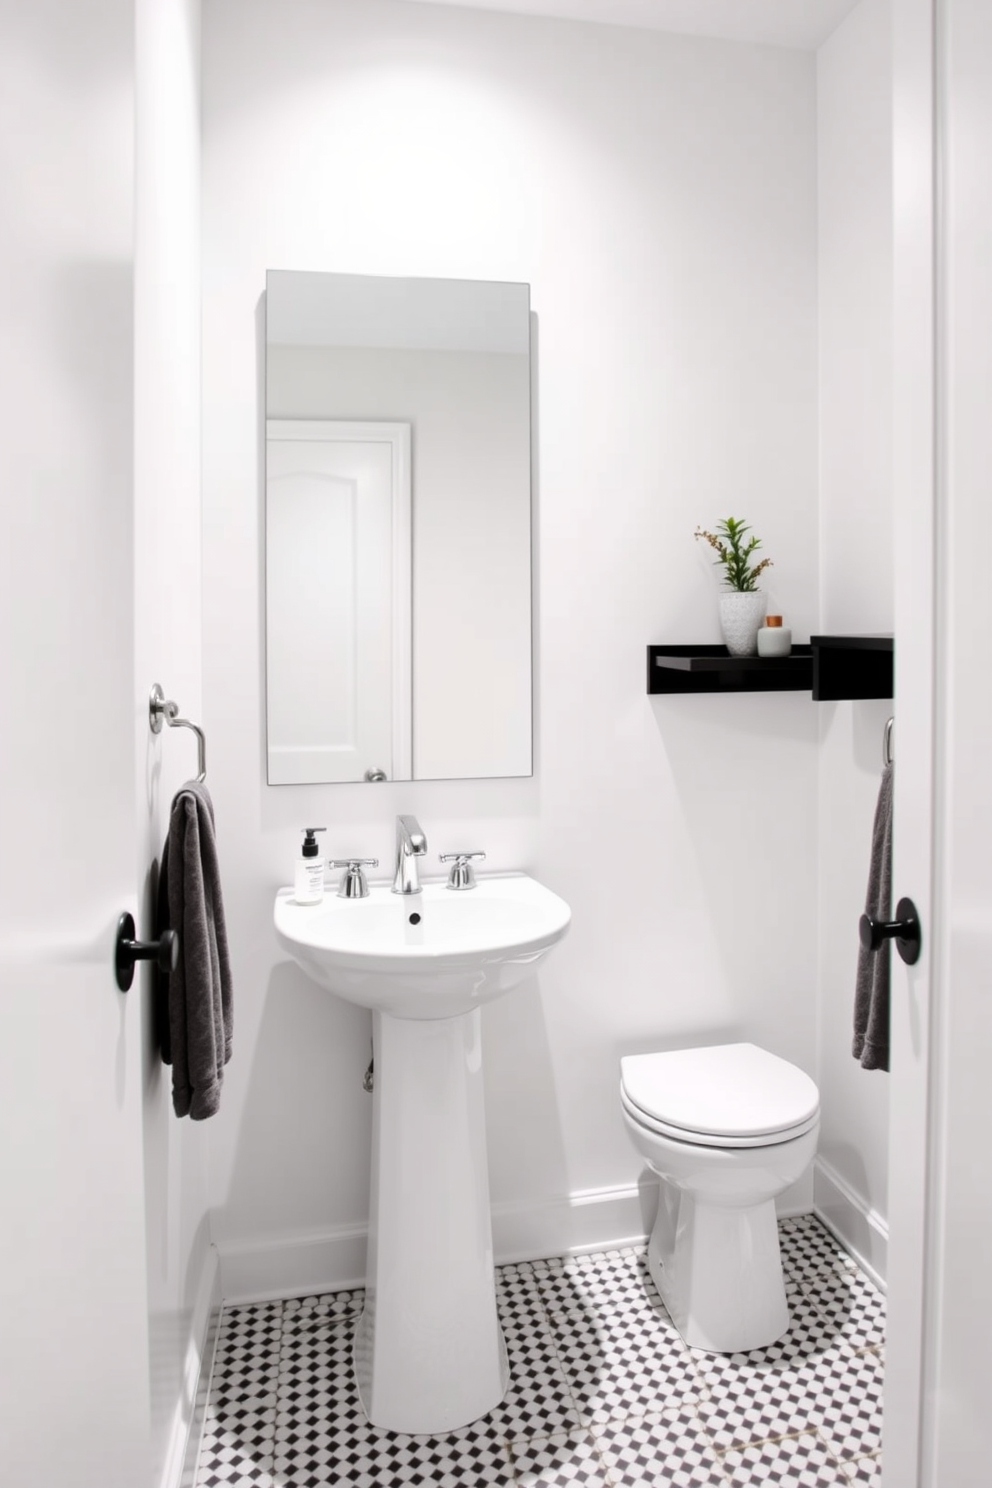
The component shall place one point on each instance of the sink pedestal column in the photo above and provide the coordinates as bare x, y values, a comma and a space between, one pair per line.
429, 1353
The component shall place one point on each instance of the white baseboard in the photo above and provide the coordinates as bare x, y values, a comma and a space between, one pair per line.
311, 1262
569, 1224
332, 1260
859, 1228
293, 1265
208, 1298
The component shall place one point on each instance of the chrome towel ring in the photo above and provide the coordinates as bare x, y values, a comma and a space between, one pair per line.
160, 707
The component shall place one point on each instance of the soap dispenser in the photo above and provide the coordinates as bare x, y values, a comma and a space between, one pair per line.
309, 880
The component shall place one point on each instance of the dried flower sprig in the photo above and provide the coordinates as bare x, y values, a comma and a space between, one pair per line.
734, 553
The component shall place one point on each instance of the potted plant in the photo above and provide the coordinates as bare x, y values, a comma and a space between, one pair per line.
742, 605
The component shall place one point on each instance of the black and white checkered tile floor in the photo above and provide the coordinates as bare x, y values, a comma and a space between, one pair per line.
602, 1389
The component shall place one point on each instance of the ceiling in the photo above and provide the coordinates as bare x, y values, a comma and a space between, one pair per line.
791, 23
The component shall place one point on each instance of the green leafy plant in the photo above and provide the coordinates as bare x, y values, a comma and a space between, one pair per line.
734, 549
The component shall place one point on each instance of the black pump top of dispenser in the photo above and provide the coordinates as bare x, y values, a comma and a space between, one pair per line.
310, 848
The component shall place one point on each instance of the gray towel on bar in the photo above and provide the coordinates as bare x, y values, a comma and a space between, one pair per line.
196, 1035
871, 996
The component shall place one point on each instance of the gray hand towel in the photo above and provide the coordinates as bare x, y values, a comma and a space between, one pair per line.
871, 997
197, 1035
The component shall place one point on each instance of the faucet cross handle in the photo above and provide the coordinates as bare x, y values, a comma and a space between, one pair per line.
462, 875
353, 882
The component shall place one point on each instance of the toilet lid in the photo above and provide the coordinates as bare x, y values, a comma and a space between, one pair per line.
733, 1091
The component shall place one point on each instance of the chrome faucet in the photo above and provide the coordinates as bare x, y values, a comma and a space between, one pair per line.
411, 844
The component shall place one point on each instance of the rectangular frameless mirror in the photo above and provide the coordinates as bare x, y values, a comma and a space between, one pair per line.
398, 528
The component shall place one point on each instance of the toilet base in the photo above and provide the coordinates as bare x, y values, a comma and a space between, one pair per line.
719, 1271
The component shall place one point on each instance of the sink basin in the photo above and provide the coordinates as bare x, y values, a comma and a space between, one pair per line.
429, 955
429, 1355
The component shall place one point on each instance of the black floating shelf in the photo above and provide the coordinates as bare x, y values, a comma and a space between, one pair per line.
713, 669
830, 667
852, 666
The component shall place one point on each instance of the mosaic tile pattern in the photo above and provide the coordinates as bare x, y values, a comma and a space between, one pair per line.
798, 1461
603, 1392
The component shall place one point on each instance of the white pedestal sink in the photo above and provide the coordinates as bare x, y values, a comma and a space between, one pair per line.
429, 1355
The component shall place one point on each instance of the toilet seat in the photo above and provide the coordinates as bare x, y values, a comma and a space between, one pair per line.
710, 1139
725, 1095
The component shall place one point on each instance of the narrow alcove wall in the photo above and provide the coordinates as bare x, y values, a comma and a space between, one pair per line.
854, 130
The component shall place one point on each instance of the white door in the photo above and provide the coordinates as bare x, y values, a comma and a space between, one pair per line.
955, 1446
74, 1363
940, 1204
74, 1384
337, 583
914, 556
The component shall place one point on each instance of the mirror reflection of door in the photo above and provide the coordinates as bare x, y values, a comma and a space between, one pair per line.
337, 600
450, 360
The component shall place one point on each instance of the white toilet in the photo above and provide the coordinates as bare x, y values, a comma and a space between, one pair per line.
727, 1129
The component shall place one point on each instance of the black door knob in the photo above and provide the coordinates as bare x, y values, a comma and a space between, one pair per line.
904, 930
127, 950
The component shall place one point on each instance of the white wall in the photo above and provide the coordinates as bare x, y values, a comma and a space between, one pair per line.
168, 651
854, 127
659, 194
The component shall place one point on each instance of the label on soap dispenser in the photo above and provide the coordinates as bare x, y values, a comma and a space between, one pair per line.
308, 885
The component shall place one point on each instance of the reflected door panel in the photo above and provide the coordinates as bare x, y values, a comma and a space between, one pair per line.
337, 599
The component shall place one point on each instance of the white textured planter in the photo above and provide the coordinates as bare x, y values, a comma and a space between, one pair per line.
740, 618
